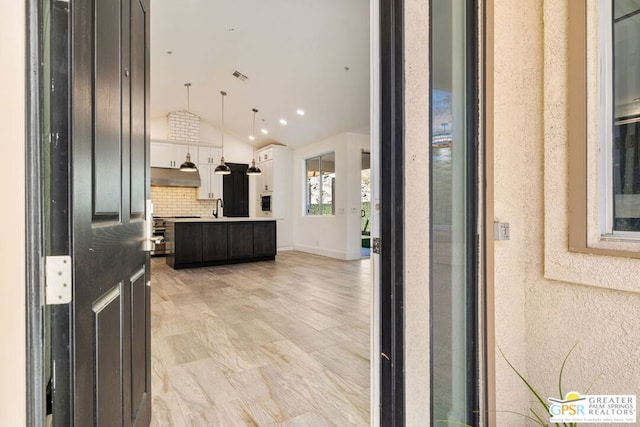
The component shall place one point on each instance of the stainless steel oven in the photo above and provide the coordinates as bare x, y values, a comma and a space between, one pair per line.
159, 227
266, 204
159, 247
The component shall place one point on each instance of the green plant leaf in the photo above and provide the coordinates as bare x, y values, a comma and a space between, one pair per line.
529, 386
564, 362
540, 421
592, 383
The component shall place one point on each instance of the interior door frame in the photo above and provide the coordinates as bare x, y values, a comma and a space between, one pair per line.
390, 121
387, 114
35, 358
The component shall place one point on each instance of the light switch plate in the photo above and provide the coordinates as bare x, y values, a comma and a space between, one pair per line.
501, 231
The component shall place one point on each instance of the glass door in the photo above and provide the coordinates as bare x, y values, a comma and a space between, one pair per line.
453, 212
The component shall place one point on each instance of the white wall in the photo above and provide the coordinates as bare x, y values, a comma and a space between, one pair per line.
336, 236
12, 255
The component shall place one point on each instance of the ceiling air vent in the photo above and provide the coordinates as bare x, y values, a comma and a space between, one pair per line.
239, 75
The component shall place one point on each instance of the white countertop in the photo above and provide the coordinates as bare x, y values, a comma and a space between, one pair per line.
222, 219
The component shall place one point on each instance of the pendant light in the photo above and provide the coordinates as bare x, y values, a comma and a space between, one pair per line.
253, 170
222, 168
188, 165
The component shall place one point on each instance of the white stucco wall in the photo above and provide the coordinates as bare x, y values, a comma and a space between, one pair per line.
517, 120
338, 235
548, 299
12, 255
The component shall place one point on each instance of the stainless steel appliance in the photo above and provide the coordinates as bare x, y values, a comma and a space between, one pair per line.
159, 228
266, 200
158, 247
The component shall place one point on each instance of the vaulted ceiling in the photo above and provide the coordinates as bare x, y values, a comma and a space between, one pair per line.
297, 54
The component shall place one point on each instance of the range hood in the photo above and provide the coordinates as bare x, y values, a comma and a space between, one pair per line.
174, 178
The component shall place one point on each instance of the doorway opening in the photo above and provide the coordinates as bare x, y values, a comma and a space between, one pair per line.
251, 312
365, 207
140, 284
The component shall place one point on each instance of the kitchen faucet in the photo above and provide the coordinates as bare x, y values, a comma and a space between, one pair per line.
215, 211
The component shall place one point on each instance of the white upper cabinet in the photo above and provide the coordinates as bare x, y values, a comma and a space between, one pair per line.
210, 182
210, 155
266, 178
169, 155
264, 155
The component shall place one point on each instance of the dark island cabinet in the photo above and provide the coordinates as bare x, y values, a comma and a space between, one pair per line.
214, 241
188, 242
240, 240
198, 244
264, 239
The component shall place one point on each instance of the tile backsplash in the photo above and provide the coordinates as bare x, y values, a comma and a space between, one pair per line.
179, 201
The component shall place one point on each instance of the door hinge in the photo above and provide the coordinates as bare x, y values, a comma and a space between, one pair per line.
58, 280
376, 245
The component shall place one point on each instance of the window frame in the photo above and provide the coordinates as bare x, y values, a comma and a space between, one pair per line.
590, 132
307, 205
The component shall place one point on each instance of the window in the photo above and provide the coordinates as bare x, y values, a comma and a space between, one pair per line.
603, 119
320, 186
621, 138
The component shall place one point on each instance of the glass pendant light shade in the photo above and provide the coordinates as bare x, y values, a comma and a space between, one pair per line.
188, 165
253, 170
222, 168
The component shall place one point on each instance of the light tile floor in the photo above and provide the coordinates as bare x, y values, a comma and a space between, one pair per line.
283, 343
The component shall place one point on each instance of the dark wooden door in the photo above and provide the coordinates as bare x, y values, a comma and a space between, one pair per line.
108, 335
235, 187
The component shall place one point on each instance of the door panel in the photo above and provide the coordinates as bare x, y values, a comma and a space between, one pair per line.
107, 98
108, 347
108, 338
138, 109
139, 338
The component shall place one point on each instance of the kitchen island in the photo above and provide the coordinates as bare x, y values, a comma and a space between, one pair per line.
200, 242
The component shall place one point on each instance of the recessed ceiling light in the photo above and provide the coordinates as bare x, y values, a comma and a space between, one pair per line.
636, 99
251, 137
264, 131
283, 122
300, 112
